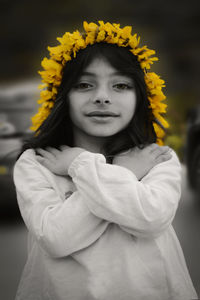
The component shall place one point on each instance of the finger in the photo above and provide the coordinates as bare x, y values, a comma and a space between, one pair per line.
40, 159
124, 152
160, 150
44, 161
45, 153
163, 158
53, 151
153, 146
150, 148
63, 147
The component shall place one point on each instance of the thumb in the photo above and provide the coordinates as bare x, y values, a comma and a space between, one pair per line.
40, 159
63, 147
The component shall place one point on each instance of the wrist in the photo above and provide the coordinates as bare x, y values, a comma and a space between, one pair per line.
76, 152
84, 159
75, 161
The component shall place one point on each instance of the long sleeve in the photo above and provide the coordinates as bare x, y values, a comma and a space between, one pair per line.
61, 227
143, 208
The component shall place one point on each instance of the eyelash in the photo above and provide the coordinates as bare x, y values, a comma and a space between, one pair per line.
82, 86
127, 86
120, 86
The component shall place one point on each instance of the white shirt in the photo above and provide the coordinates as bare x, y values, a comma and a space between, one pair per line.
100, 233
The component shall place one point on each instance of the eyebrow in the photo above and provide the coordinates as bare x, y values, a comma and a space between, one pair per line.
117, 73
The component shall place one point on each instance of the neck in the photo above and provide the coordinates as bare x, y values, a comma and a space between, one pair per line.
89, 143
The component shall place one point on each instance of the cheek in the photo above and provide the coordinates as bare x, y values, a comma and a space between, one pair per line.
129, 107
73, 109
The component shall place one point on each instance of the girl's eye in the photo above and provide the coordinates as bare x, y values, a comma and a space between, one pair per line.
83, 86
122, 86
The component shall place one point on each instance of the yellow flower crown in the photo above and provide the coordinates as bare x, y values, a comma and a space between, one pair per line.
71, 43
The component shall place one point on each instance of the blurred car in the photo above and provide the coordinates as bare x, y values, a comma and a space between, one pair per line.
10, 146
193, 149
17, 105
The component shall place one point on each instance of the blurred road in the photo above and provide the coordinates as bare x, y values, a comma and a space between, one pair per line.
186, 224
187, 227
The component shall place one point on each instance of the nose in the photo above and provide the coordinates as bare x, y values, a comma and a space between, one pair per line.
102, 101
101, 97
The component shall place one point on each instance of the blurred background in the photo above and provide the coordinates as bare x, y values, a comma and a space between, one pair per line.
26, 29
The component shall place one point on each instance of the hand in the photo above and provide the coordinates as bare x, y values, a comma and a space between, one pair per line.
58, 161
140, 161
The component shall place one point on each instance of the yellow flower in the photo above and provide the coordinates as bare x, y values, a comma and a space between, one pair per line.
66, 57
101, 36
126, 32
116, 27
146, 64
134, 41
45, 95
67, 41
163, 107
152, 79
162, 120
76, 35
52, 66
40, 117
156, 103
48, 104
79, 42
159, 131
90, 38
50, 77
56, 52
71, 43
111, 39
52, 73
42, 86
159, 142
109, 28
90, 26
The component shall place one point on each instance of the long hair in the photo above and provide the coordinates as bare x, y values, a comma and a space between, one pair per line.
57, 128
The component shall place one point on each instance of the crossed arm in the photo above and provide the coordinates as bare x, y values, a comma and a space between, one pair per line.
105, 194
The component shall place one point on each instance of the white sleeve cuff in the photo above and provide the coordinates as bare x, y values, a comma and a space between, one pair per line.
82, 159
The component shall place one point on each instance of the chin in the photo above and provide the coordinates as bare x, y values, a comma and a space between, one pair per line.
103, 133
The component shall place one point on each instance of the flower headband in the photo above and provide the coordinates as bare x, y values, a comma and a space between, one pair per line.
71, 43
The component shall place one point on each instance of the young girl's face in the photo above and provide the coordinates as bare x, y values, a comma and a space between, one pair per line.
102, 102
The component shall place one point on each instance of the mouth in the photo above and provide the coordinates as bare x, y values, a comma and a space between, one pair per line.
102, 114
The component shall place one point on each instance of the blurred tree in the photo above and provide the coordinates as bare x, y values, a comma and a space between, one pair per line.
172, 27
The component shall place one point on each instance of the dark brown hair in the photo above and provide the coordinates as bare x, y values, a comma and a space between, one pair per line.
56, 130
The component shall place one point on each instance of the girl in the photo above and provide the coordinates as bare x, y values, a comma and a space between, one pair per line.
96, 191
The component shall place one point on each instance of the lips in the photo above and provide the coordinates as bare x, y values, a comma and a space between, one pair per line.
102, 114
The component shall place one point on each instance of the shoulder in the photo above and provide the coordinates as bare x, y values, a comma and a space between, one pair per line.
29, 172
29, 153
171, 166
27, 157
170, 169
174, 159
172, 162
27, 164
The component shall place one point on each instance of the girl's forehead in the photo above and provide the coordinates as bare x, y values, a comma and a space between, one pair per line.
100, 67
99, 61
